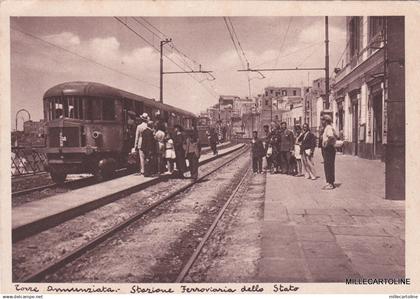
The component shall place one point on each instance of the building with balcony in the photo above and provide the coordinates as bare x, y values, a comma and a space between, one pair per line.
369, 95
358, 91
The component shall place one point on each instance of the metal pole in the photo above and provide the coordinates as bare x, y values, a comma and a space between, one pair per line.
162, 43
161, 72
327, 69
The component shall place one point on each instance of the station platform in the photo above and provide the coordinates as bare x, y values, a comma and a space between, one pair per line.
42, 214
315, 235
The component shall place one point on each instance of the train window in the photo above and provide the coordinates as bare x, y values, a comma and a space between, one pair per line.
138, 108
94, 107
58, 108
108, 109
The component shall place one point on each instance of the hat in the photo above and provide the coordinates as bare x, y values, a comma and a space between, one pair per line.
144, 116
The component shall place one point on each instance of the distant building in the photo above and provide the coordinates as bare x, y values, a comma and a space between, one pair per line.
33, 134
313, 104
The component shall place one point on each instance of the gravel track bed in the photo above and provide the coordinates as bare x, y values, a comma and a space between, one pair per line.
232, 252
144, 252
34, 252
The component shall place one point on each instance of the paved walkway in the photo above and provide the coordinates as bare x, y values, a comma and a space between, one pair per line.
311, 235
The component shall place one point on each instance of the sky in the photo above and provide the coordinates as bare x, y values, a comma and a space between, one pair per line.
46, 51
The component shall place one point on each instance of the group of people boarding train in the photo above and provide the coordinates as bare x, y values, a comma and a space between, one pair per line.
157, 151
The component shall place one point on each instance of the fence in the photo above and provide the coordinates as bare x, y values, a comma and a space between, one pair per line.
27, 160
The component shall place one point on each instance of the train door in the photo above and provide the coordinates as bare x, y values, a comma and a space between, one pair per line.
129, 124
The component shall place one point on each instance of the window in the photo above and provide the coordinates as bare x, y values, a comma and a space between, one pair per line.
100, 109
266, 102
355, 29
108, 109
376, 25
284, 92
294, 92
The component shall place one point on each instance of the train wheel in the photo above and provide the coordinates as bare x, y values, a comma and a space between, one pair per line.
58, 177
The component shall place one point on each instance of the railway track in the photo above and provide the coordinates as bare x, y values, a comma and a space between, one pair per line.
83, 182
64, 260
189, 264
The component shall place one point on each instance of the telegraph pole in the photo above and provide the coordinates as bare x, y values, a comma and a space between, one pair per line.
327, 69
162, 43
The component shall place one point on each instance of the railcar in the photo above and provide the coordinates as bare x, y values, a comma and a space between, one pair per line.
91, 127
203, 128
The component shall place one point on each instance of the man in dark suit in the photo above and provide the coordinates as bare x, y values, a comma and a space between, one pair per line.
287, 146
257, 153
149, 147
179, 141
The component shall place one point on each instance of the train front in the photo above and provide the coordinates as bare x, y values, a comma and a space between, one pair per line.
82, 131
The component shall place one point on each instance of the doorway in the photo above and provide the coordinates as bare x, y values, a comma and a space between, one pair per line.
355, 125
377, 125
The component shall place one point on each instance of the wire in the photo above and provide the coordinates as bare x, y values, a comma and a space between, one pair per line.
233, 41
307, 57
83, 57
341, 56
293, 52
284, 39
144, 39
163, 34
243, 53
237, 39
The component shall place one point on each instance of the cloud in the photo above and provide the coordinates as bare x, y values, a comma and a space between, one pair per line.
64, 39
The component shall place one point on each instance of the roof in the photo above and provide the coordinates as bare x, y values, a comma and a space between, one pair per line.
93, 89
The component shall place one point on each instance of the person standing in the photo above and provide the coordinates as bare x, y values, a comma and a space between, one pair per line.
169, 153
257, 153
138, 141
149, 147
307, 149
287, 148
179, 150
192, 152
266, 143
160, 155
298, 156
275, 147
329, 138
212, 136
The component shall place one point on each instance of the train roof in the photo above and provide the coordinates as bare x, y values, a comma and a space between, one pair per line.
93, 89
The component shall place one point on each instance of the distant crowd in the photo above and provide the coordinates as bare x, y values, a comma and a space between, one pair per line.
291, 152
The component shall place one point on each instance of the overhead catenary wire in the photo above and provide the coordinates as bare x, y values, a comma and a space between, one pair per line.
233, 41
173, 46
83, 57
213, 93
283, 41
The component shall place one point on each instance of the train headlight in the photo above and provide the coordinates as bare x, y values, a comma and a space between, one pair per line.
96, 134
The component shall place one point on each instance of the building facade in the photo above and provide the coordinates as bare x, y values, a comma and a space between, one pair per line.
358, 92
369, 95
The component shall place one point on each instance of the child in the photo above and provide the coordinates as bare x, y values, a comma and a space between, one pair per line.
169, 153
